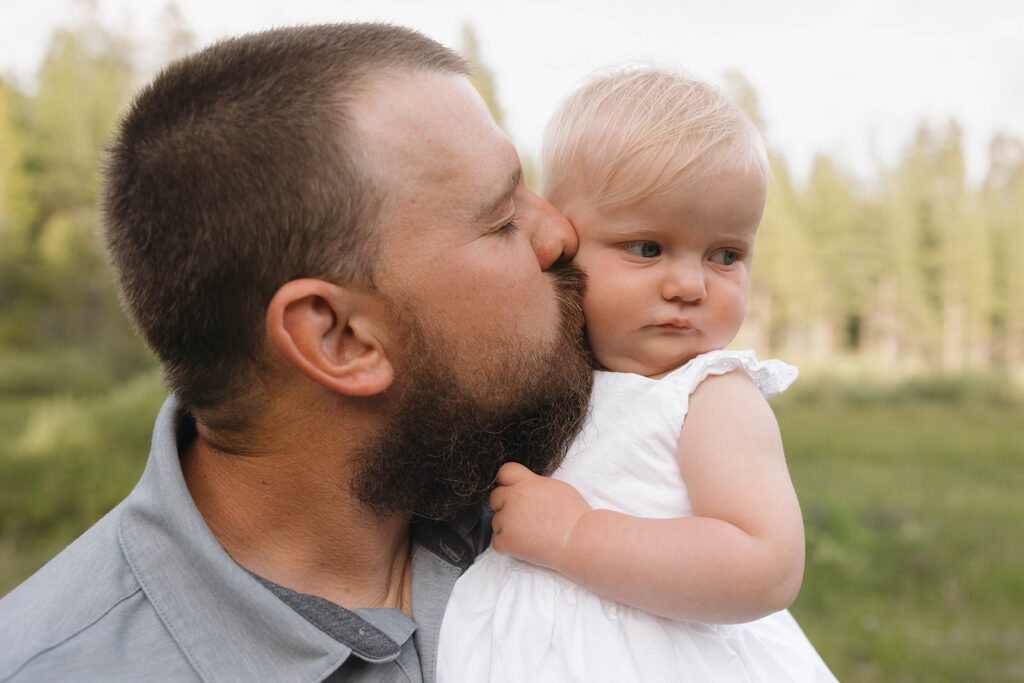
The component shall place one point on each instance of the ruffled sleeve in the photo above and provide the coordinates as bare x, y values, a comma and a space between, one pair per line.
771, 376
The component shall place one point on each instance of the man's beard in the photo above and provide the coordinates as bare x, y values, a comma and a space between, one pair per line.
441, 449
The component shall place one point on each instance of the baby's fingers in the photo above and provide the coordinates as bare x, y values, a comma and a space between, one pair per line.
512, 472
497, 498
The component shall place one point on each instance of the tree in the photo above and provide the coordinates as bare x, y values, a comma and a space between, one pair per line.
15, 218
788, 312
926, 201
83, 83
1003, 198
785, 301
15, 207
842, 248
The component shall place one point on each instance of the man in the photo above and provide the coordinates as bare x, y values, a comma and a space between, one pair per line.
362, 312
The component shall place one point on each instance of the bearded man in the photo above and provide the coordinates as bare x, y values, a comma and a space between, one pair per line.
362, 312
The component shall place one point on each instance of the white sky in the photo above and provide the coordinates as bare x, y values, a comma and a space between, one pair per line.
851, 79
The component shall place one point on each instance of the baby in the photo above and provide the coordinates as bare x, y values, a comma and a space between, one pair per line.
670, 542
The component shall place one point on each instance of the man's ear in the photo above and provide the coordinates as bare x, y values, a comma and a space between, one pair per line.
331, 334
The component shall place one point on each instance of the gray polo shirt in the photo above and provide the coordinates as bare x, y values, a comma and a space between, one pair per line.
148, 594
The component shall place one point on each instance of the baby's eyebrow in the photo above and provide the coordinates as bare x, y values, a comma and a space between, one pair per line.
632, 229
744, 236
497, 204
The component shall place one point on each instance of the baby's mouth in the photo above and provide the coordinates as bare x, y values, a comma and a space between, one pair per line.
676, 326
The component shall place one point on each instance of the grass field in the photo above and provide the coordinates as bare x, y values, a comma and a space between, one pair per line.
913, 511
911, 496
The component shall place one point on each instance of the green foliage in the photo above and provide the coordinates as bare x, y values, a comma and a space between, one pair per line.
65, 461
83, 84
55, 287
15, 205
973, 391
71, 372
909, 272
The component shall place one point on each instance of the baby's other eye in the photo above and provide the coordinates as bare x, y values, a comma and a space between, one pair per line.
644, 249
725, 257
509, 227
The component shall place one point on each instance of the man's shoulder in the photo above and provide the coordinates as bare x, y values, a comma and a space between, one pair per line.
75, 606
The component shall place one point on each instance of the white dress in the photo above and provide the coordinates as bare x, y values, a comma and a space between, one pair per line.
512, 621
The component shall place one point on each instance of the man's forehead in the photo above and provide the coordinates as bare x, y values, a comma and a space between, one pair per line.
417, 102
433, 127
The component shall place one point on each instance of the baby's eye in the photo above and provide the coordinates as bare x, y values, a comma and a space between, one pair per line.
644, 249
725, 257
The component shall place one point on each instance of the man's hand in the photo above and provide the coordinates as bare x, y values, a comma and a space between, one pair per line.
534, 516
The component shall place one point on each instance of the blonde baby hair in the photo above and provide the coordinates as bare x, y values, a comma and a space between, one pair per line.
632, 132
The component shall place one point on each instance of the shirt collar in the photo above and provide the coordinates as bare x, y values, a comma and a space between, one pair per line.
223, 619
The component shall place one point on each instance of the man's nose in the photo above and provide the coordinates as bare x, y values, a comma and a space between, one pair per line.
554, 238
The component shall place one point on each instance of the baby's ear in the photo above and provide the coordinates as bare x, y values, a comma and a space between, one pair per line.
331, 334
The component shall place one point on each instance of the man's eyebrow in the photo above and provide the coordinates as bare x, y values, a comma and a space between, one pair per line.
496, 205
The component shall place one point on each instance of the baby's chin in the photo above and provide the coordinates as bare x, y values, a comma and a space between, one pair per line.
652, 368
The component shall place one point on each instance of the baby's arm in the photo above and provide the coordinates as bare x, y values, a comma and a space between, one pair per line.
741, 557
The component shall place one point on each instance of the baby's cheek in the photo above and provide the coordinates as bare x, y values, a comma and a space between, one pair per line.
605, 344
595, 320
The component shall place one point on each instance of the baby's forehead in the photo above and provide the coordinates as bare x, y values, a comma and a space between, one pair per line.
726, 202
658, 171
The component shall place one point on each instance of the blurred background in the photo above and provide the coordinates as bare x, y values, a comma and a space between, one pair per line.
889, 267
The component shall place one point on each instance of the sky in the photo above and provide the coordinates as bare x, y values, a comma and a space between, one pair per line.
851, 79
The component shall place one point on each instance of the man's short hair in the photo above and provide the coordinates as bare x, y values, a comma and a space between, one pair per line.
235, 171
632, 132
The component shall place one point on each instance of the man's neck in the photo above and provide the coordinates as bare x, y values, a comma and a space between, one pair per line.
289, 517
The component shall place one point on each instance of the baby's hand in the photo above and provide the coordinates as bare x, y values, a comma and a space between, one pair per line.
534, 516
